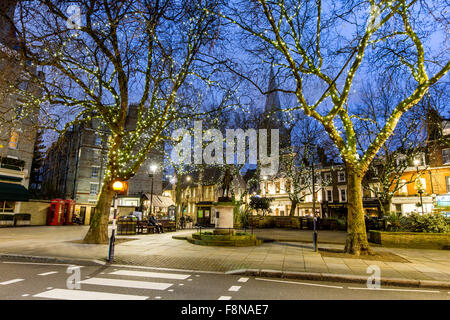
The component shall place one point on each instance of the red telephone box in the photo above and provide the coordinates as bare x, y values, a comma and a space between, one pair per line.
55, 213
69, 209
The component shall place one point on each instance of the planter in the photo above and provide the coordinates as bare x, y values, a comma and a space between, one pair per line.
419, 240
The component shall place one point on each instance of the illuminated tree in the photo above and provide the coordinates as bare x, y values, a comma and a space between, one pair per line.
324, 49
101, 56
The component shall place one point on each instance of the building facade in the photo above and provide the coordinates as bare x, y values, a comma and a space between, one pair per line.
18, 126
74, 168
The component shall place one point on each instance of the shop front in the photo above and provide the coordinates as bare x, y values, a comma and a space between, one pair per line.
205, 214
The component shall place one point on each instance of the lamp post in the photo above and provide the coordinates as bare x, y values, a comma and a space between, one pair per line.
153, 169
420, 190
117, 187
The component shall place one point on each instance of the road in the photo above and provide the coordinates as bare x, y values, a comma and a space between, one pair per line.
42, 281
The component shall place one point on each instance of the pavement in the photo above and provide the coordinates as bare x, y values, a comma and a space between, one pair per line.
287, 255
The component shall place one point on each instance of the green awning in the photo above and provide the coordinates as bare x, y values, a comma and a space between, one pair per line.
9, 178
13, 192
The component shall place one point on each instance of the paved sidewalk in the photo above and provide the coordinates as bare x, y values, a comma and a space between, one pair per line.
161, 250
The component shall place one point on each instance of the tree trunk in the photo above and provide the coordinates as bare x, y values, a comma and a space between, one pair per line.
356, 242
293, 207
98, 231
387, 207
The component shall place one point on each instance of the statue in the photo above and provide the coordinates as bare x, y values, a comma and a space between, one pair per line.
226, 182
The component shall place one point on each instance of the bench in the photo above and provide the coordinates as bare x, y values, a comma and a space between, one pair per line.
141, 225
168, 225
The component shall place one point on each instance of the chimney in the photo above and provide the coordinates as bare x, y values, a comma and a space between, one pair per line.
7, 34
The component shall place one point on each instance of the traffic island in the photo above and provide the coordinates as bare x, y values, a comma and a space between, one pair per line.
220, 238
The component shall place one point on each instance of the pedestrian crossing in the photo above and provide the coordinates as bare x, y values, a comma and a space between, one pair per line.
150, 282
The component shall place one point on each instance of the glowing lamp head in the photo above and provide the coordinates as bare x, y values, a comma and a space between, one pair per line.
153, 168
118, 186
416, 162
188, 178
265, 177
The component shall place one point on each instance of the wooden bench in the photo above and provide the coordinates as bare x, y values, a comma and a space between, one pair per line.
168, 225
141, 225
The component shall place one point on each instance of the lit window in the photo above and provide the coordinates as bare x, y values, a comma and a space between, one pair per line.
14, 139
277, 187
447, 182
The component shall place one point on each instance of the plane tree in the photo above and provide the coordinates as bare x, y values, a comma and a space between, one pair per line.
324, 49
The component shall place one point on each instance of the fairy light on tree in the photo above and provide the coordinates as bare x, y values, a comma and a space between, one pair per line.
392, 24
111, 62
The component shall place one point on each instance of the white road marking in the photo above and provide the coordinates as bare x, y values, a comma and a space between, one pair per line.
388, 289
234, 288
44, 264
301, 283
181, 284
10, 281
127, 283
243, 280
66, 294
25, 295
224, 298
158, 297
47, 273
49, 288
151, 274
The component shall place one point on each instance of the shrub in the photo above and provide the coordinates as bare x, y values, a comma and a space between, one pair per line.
433, 223
393, 222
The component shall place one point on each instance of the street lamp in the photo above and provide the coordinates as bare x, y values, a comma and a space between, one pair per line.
420, 190
118, 186
153, 168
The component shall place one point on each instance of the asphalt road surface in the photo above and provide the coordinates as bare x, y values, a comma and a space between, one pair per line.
44, 281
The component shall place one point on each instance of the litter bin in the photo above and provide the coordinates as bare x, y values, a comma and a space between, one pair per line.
126, 225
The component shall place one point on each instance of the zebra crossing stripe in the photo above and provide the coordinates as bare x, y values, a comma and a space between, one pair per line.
10, 281
66, 294
47, 273
127, 283
145, 274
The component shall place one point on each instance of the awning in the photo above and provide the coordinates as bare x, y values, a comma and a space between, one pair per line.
160, 201
13, 192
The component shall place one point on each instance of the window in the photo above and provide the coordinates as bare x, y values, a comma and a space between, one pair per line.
94, 189
329, 194
446, 156
6, 206
98, 140
447, 182
277, 187
343, 195
13, 140
266, 188
287, 186
327, 177
95, 171
341, 176
404, 187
